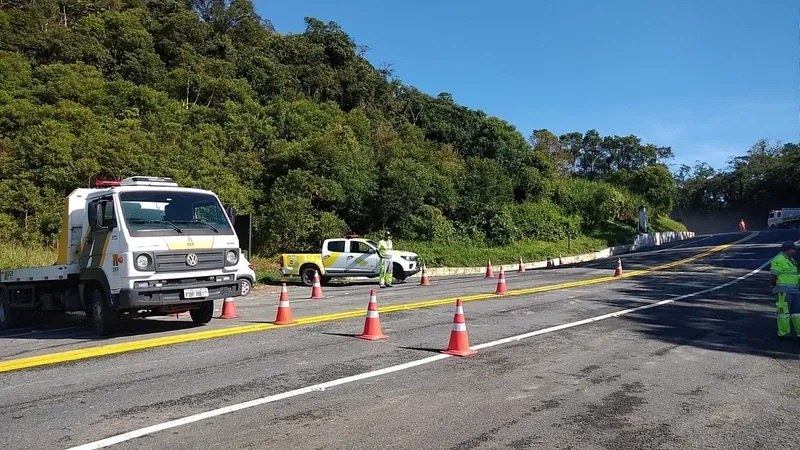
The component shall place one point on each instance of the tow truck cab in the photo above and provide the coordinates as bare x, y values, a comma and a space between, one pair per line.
135, 248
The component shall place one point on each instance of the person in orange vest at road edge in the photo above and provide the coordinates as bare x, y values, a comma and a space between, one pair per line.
741, 225
784, 279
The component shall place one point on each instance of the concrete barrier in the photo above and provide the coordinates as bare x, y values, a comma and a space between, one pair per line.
640, 241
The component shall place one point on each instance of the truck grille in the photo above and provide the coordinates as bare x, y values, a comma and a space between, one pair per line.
177, 262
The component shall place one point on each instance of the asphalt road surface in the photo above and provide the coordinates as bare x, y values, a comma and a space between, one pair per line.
683, 356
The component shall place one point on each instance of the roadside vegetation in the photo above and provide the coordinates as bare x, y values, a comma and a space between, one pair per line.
15, 255
300, 130
766, 177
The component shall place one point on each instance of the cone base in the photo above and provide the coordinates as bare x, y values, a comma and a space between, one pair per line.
228, 316
501, 292
284, 322
317, 297
467, 352
372, 337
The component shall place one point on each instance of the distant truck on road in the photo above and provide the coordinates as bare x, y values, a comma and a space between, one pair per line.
346, 257
784, 218
136, 248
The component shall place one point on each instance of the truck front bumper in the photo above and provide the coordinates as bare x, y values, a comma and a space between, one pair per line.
174, 295
410, 268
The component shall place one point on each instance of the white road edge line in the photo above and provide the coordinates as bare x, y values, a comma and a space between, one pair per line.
103, 443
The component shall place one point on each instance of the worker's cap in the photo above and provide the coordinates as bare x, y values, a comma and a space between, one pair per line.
788, 245
388, 233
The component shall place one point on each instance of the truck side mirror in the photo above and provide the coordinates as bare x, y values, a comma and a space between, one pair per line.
98, 215
231, 214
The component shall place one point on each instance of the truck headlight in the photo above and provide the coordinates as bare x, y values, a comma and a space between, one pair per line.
143, 261
232, 257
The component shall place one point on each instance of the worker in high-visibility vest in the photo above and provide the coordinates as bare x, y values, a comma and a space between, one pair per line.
742, 227
784, 279
384, 247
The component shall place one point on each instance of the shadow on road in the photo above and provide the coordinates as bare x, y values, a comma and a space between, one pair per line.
739, 318
75, 326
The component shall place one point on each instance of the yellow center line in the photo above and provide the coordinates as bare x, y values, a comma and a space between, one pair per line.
104, 350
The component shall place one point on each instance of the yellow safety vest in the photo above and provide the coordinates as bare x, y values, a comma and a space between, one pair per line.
785, 269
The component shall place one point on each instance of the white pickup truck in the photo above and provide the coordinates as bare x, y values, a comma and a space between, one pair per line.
346, 257
135, 248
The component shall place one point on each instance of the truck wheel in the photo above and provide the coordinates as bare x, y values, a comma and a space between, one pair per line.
203, 314
398, 273
104, 319
9, 317
307, 275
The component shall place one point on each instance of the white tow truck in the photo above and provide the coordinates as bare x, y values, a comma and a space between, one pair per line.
136, 248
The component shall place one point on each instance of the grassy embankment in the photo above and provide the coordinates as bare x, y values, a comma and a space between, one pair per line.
469, 254
455, 254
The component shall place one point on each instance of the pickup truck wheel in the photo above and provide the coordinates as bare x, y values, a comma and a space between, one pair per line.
202, 315
246, 286
307, 276
104, 319
398, 273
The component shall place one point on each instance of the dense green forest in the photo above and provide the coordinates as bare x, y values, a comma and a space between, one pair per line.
767, 177
301, 130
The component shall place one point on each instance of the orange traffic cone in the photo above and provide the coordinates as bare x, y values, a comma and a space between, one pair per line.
228, 309
459, 343
521, 265
284, 316
549, 263
489, 272
618, 272
316, 290
424, 281
501, 284
372, 324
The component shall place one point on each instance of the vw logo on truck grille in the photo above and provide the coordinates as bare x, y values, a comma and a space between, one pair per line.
191, 260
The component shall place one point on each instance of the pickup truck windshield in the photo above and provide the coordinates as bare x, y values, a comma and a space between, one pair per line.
169, 213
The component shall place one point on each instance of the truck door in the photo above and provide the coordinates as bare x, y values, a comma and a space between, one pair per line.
361, 258
101, 249
333, 256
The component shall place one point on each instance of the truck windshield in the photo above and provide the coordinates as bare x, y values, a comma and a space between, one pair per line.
167, 213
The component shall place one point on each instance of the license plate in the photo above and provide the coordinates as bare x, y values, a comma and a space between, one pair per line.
195, 293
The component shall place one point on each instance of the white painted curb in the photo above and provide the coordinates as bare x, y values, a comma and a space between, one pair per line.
641, 241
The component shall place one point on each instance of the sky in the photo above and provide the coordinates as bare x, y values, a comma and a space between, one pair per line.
706, 77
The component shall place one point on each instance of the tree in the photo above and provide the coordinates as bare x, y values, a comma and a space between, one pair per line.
299, 129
